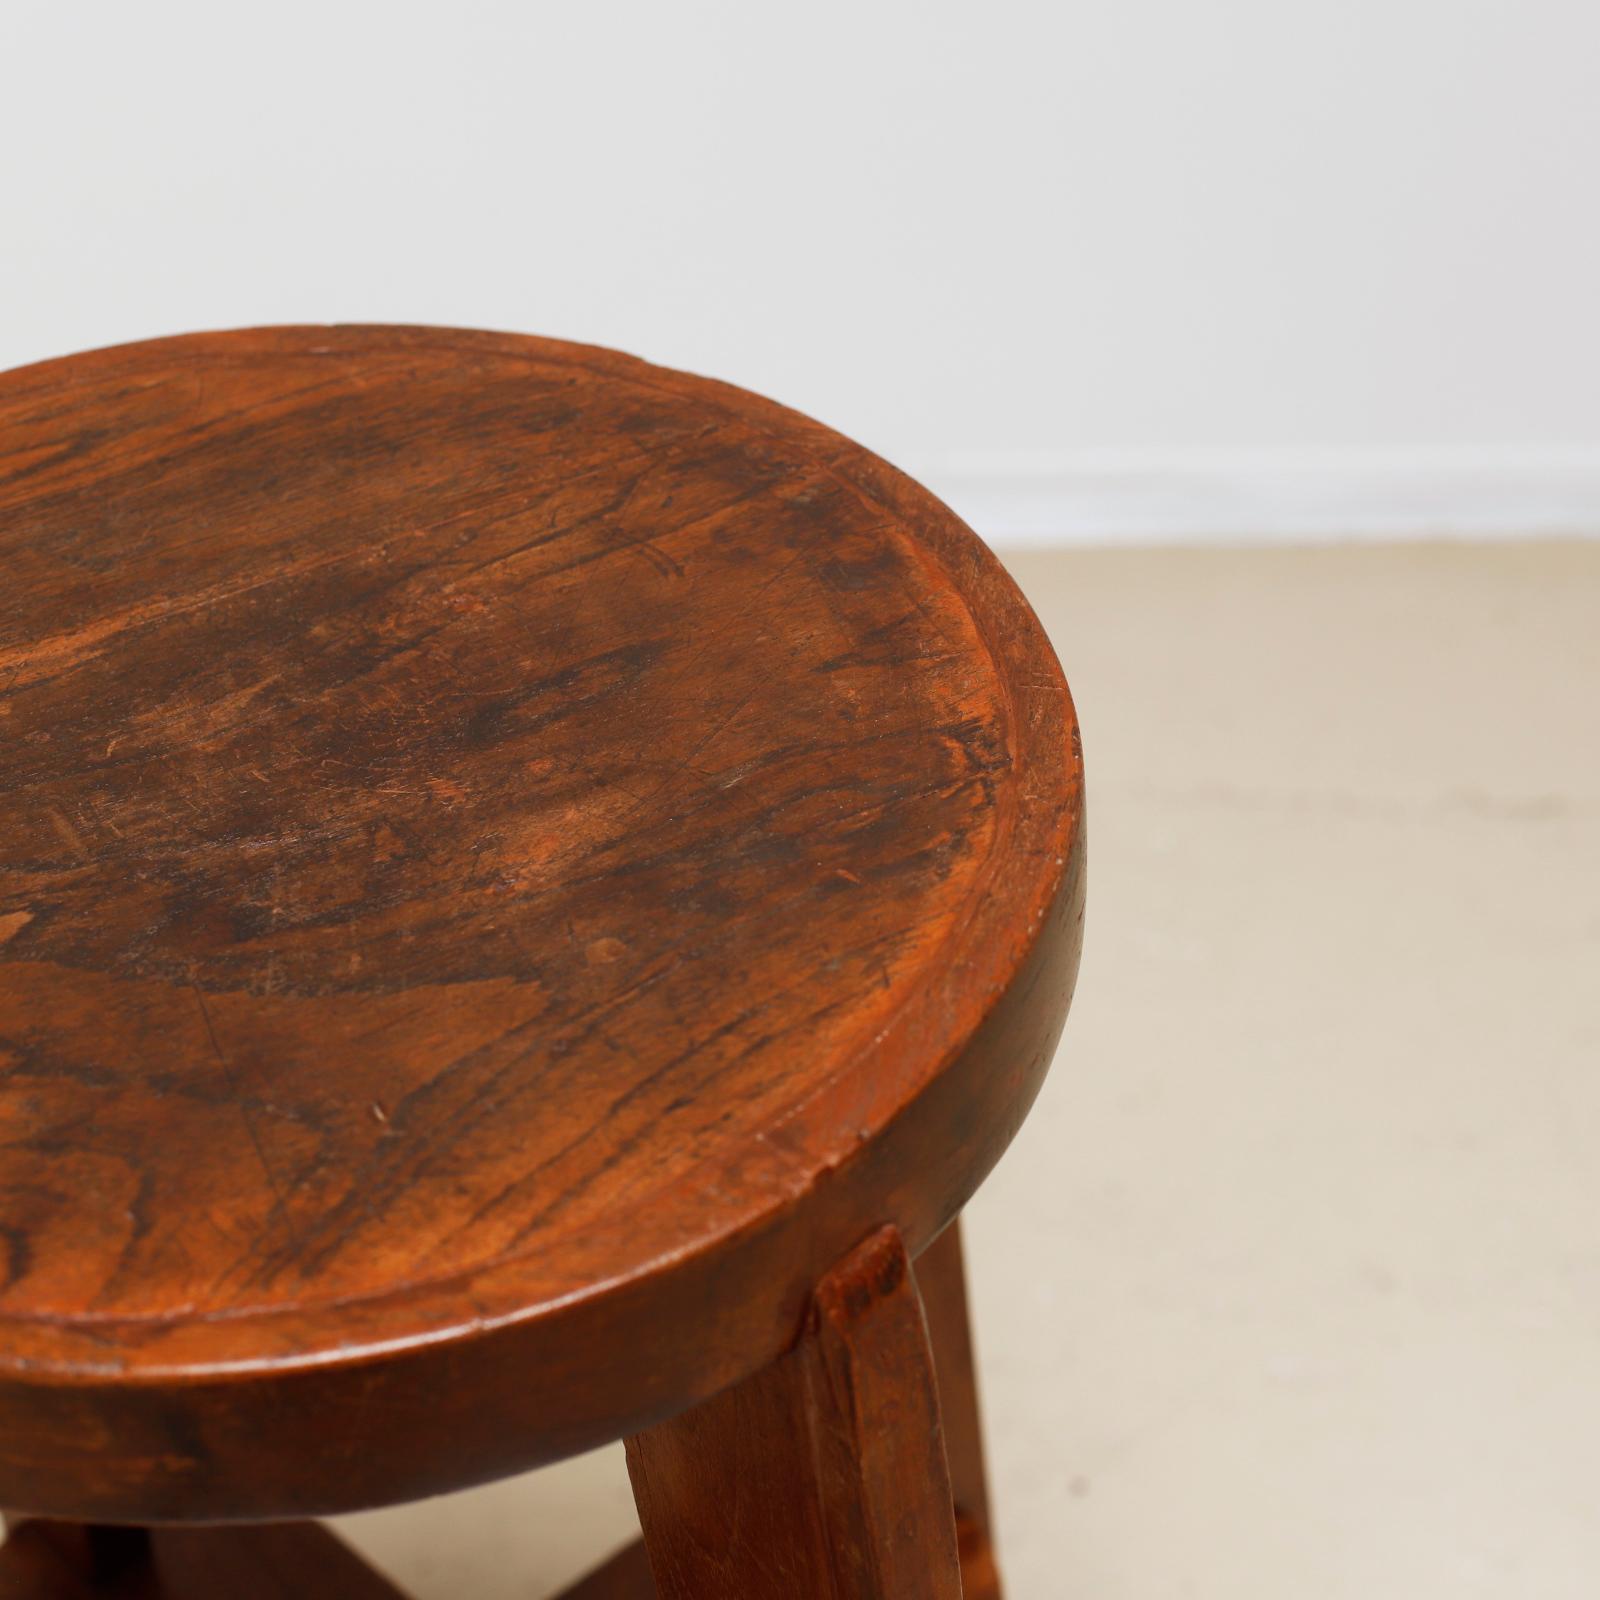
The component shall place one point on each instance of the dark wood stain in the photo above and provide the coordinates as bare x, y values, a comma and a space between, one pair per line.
292, 1561
824, 1473
510, 858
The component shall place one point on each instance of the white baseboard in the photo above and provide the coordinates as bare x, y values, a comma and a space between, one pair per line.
1269, 497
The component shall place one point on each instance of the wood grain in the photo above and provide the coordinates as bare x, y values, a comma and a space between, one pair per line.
942, 1284
822, 1475
502, 846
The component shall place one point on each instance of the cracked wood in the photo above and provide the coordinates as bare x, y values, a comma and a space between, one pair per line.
498, 840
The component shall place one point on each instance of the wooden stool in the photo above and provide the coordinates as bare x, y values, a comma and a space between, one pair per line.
530, 885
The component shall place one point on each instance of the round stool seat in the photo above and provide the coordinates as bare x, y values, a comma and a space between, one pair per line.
511, 861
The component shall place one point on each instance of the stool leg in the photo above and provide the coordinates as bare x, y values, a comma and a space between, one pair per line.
942, 1279
825, 1473
42, 1560
48, 1560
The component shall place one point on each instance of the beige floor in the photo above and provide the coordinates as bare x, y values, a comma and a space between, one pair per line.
1291, 1286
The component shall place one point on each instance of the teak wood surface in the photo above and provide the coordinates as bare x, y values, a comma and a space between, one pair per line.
512, 862
825, 1476
822, 1475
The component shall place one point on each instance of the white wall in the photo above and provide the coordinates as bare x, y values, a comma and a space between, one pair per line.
1137, 266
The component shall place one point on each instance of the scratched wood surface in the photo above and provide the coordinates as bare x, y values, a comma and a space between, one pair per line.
501, 846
